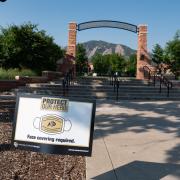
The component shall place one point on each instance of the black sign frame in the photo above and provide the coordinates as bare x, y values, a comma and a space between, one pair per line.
49, 148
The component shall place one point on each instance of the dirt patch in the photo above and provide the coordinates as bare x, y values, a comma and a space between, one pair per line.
21, 165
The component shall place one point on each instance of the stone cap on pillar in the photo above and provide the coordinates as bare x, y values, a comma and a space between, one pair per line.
72, 26
142, 28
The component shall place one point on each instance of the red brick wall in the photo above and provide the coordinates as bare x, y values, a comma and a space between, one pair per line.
142, 52
71, 49
6, 85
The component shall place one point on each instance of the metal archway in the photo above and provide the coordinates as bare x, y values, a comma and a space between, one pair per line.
107, 24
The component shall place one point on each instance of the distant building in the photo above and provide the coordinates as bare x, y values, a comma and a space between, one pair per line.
65, 64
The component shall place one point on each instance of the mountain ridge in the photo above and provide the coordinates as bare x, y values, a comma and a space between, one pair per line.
93, 46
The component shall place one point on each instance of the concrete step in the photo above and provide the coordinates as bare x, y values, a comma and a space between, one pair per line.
110, 95
107, 95
72, 89
103, 90
114, 97
98, 87
101, 93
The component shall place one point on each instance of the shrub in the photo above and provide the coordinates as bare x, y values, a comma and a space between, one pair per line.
11, 73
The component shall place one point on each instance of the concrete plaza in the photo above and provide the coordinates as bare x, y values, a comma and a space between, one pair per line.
136, 140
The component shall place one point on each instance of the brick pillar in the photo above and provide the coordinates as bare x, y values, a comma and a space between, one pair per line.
71, 49
142, 53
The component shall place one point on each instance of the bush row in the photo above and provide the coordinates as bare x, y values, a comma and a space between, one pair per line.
11, 73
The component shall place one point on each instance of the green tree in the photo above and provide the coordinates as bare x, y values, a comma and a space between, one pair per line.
118, 63
25, 46
158, 54
172, 55
177, 35
81, 59
104, 64
131, 65
101, 64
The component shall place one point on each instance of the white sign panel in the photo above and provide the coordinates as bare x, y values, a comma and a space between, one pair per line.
54, 124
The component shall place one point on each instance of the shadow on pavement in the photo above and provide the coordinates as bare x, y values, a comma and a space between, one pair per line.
139, 170
164, 117
173, 155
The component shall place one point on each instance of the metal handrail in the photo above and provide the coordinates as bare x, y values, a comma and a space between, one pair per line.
151, 75
162, 80
149, 71
67, 81
114, 81
166, 82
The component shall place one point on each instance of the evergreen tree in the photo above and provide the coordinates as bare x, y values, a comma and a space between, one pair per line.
172, 54
81, 59
158, 54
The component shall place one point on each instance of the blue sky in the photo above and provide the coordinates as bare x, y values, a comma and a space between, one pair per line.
161, 16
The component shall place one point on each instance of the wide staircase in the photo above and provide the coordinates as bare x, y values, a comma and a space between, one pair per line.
105, 88
102, 88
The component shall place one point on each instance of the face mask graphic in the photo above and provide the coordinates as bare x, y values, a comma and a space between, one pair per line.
52, 124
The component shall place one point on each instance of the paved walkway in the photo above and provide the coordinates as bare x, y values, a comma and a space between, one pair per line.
136, 141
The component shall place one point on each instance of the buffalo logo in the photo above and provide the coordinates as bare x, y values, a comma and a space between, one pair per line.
52, 124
